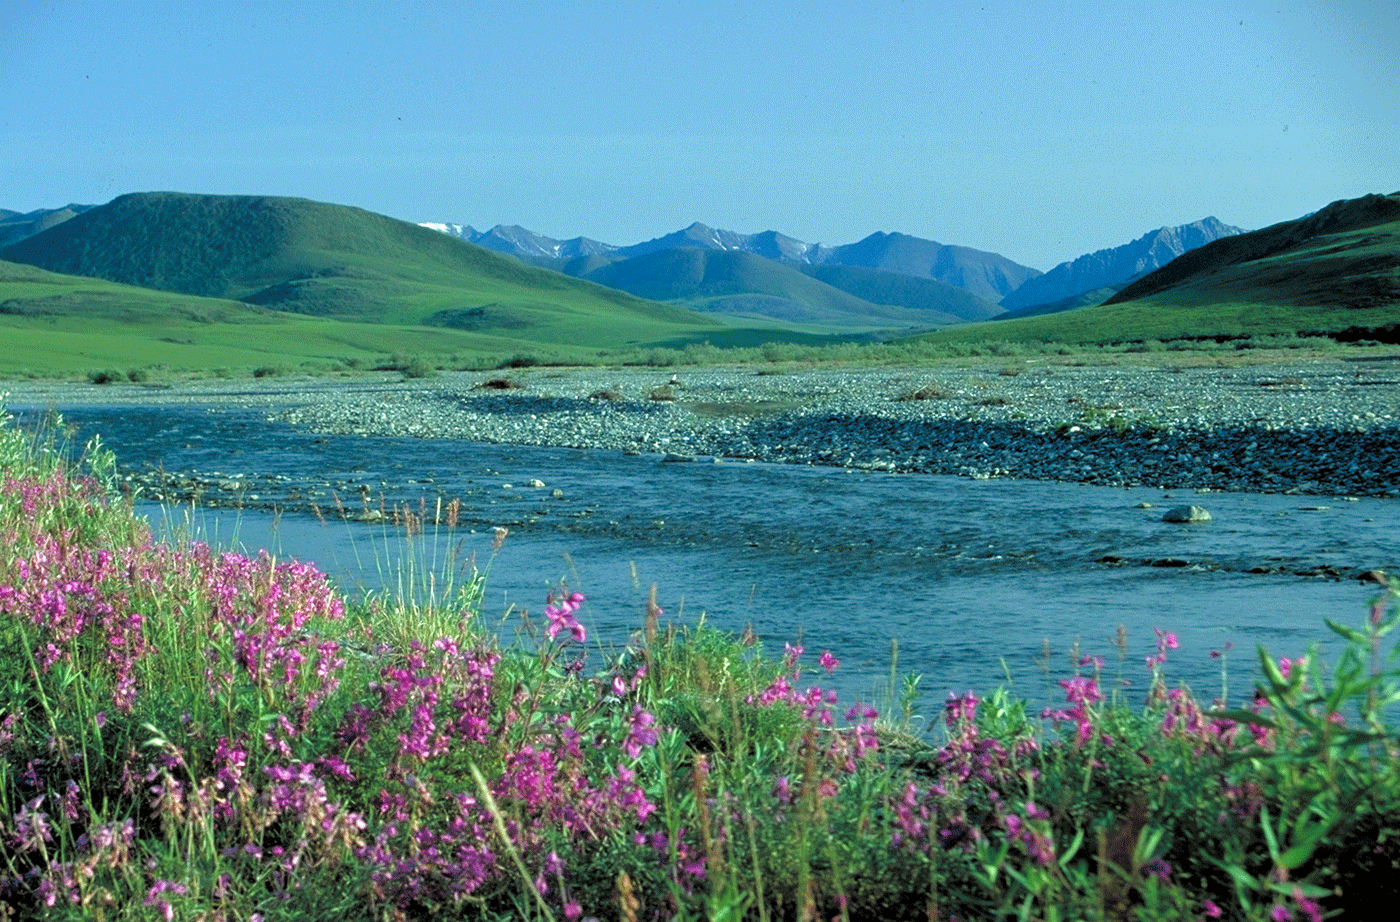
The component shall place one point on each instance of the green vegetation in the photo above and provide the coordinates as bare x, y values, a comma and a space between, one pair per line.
195, 734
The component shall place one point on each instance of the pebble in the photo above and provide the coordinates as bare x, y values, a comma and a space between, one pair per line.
1326, 427
1333, 429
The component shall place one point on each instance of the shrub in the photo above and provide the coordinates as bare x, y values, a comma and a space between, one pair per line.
419, 367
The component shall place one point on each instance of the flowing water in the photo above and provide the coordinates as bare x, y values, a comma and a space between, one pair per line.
972, 578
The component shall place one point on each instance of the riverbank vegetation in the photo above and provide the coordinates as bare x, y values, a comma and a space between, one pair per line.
409, 360
196, 734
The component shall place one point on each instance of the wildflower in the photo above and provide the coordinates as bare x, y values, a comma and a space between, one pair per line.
1310, 908
161, 905
1165, 641
829, 662
561, 617
958, 709
1159, 869
1211, 910
641, 733
32, 826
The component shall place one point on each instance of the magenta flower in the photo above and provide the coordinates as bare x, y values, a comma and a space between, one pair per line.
642, 732
561, 617
829, 662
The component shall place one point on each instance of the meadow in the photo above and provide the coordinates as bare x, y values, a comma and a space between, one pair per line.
192, 733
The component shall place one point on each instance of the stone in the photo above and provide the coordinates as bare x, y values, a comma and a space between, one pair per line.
1186, 514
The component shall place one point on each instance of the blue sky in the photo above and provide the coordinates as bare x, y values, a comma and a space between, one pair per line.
1039, 131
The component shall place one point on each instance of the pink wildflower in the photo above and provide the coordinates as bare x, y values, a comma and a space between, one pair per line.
561, 617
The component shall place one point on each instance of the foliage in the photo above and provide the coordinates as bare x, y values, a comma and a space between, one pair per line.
207, 735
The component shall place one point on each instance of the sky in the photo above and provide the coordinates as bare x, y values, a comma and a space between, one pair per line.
1040, 131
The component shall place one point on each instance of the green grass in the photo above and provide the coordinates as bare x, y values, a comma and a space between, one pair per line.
62, 325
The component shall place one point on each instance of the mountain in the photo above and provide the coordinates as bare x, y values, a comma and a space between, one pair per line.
14, 226
740, 283
1113, 268
769, 244
987, 275
525, 245
332, 260
1329, 258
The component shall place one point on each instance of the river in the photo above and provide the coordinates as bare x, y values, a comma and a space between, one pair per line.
971, 578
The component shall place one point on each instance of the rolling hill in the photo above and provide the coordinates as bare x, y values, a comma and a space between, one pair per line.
298, 256
15, 226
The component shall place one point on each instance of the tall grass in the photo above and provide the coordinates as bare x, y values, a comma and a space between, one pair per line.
195, 734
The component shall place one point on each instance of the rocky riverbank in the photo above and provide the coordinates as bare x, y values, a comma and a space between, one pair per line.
1329, 427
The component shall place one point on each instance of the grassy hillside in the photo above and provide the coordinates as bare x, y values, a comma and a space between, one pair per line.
331, 260
15, 226
1309, 254
1336, 269
60, 325
56, 325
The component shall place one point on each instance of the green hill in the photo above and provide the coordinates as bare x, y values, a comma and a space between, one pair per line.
335, 261
63, 325
15, 226
1315, 259
1336, 269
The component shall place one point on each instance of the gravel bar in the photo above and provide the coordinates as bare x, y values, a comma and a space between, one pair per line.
1327, 427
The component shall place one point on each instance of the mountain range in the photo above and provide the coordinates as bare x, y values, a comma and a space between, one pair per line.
997, 283
886, 280
198, 280
989, 276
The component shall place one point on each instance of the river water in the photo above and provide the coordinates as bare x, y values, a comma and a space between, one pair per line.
971, 578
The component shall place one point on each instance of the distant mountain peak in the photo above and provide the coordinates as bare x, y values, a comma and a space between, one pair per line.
1115, 267
989, 276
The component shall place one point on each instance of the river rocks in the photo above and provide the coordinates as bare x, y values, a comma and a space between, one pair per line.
1334, 432
1186, 514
